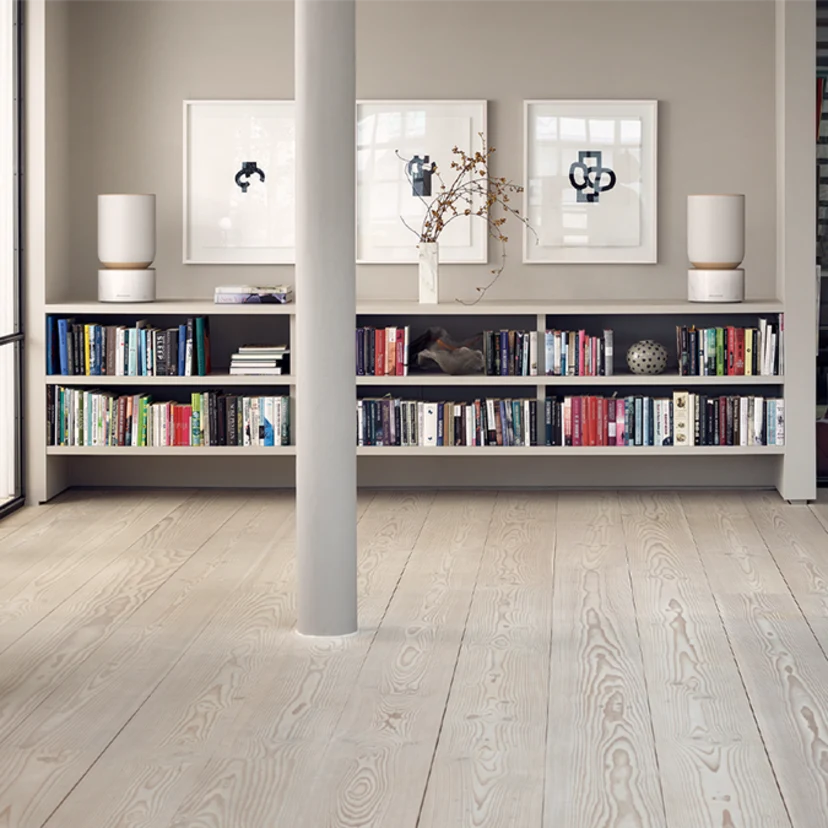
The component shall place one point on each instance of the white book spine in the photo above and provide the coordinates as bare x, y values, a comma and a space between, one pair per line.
780, 422
743, 421
405, 351
658, 437
119, 352
360, 424
469, 415
420, 424
391, 352
430, 425
533, 353
188, 354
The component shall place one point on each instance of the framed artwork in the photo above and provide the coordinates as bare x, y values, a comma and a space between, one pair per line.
239, 182
397, 143
591, 181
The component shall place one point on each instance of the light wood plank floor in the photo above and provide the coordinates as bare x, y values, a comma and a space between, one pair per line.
525, 660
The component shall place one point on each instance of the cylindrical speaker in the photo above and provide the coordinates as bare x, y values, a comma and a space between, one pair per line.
716, 231
126, 231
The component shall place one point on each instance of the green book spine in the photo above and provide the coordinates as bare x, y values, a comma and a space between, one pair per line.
200, 350
195, 436
720, 352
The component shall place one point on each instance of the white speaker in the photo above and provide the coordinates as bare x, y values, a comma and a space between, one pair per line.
123, 285
704, 285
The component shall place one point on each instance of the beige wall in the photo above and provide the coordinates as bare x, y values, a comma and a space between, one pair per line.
710, 64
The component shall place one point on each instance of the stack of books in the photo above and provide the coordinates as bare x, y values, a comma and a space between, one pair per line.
253, 295
510, 353
88, 349
260, 359
576, 354
732, 351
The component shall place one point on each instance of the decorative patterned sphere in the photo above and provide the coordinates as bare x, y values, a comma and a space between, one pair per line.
647, 357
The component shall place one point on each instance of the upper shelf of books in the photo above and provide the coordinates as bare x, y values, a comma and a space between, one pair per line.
391, 307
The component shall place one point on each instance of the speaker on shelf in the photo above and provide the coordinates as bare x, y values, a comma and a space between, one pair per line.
126, 248
716, 247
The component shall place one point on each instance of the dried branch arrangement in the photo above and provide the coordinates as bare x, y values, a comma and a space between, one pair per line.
472, 191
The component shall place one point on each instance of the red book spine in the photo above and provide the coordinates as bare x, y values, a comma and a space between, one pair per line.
379, 353
576, 422
176, 419
740, 352
722, 421
592, 422
730, 351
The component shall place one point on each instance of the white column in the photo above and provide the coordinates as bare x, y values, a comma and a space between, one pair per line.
796, 238
326, 298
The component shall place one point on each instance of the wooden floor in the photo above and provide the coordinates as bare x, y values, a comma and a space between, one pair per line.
530, 660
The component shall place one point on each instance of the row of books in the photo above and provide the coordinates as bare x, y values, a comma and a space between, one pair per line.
489, 422
89, 349
732, 351
260, 359
382, 352
684, 419
510, 353
577, 354
78, 417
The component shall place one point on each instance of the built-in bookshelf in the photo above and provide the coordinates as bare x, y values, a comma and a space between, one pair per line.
234, 325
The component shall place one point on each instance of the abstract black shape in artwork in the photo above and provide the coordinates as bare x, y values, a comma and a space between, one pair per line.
248, 168
590, 184
419, 173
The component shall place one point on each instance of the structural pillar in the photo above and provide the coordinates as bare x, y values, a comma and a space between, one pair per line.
325, 48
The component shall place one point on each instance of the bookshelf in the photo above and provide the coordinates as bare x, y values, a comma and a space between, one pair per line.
240, 466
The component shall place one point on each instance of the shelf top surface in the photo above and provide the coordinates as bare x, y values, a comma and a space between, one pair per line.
390, 307
201, 307
569, 307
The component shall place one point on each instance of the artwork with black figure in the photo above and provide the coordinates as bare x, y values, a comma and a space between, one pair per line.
590, 184
248, 168
419, 173
436, 351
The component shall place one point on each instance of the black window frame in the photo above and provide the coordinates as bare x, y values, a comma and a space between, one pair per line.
16, 339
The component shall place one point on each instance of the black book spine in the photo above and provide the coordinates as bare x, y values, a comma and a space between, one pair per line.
77, 347
233, 423
222, 419
50, 415
172, 352
70, 350
372, 351
211, 403
386, 422
717, 423
397, 424
729, 424
698, 434
533, 422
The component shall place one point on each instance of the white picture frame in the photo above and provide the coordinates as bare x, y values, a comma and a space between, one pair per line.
222, 223
384, 192
573, 220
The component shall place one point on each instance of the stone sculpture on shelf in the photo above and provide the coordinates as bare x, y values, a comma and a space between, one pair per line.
436, 351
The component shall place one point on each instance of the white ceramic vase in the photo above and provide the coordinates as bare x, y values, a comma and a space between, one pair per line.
429, 271
126, 231
716, 231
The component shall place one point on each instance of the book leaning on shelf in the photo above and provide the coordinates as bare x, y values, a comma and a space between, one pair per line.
577, 354
488, 422
78, 417
253, 295
732, 351
684, 419
89, 349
